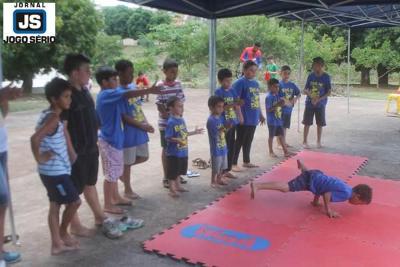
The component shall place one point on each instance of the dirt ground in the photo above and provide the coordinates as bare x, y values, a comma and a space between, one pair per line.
366, 131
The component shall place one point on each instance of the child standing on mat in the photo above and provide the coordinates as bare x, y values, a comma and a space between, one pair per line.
110, 106
273, 106
290, 93
232, 113
53, 151
217, 129
317, 88
330, 188
248, 89
176, 137
169, 87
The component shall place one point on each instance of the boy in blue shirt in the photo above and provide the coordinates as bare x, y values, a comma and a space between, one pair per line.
176, 137
317, 88
248, 90
216, 129
273, 106
110, 106
330, 188
232, 113
290, 93
136, 149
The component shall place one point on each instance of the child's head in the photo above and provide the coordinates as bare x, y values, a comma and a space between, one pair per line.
225, 78
273, 85
140, 73
250, 69
175, 106
216, 105
170, 69
125, 71
256, 47
362, 195
106, 77
77, 67
270, 59
318, 65
285, 72
58, 93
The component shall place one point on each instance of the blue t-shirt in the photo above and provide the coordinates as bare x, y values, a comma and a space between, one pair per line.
230, 97
110, 107
216, 136
176, 128
318, 86
134, 136
249, 91
321, 183
274, 118
288, 91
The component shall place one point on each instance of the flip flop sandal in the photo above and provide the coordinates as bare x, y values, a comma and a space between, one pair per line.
203, 165
182, 181
196, 162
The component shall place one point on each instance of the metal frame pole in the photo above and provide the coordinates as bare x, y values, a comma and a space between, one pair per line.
300, 75
212, 58
348, 68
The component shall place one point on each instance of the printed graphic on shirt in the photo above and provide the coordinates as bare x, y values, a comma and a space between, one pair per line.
137, 112
221, 142
182, 134
255, 97
315, 86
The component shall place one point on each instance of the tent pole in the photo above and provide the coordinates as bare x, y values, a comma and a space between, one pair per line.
212, 55
348, 69
300, 76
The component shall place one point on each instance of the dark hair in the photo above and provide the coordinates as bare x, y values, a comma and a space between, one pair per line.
56, 87
73, 62
170, 63
270, 57
273, 81
105, 73
214, 100
140, 73
257, 44
224, 73
364, 192
123, 64
172, 101
248, 64
285, 68
318, 60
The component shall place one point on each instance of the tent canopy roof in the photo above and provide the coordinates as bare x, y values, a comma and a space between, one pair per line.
344, 13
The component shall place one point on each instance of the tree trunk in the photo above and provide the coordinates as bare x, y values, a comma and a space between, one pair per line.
365, 78
383, 76
27, 84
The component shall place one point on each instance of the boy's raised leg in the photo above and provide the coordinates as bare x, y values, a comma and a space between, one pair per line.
68, 214
301, 166
277, 186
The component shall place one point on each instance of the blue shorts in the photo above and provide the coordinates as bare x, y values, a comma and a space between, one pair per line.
4, 190
302, 182
275, 131
286, 117
60, 189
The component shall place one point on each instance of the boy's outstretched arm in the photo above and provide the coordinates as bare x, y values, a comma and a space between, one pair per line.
327, 200
196, 131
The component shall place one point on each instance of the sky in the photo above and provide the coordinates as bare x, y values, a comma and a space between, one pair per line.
104, 3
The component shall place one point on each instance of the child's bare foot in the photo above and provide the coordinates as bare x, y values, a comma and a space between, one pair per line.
114, 210
69, 241
230, 175
300, 165
222, 182
82, 231
306, 146
120, 201
273, 155
319, 145
236, 168
250, 165
214, 185
287, 145
252, 193
289, 154
131, 195
61, 248
182, 189
315, 203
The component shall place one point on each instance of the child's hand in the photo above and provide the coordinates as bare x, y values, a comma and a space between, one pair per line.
148, 128
315, 101
228, 125
332, 214
154, 89
262, 120
73, 157
198, 130
182, 142
45, 156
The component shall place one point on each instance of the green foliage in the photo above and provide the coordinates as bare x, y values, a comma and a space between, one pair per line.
144, 64
116, 19
108, 50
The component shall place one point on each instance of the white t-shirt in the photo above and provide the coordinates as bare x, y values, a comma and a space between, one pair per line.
3, 135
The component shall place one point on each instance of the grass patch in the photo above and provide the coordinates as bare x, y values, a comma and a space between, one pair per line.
25, 103
371, 93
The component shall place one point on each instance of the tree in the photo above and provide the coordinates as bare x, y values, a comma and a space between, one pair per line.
108, 49
116, 20
73, 34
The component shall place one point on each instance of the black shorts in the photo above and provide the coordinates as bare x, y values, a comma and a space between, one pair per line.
162, 139
60, 189
286, 117
85, 170
275, 131
319, 113
176, 167
303, 181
